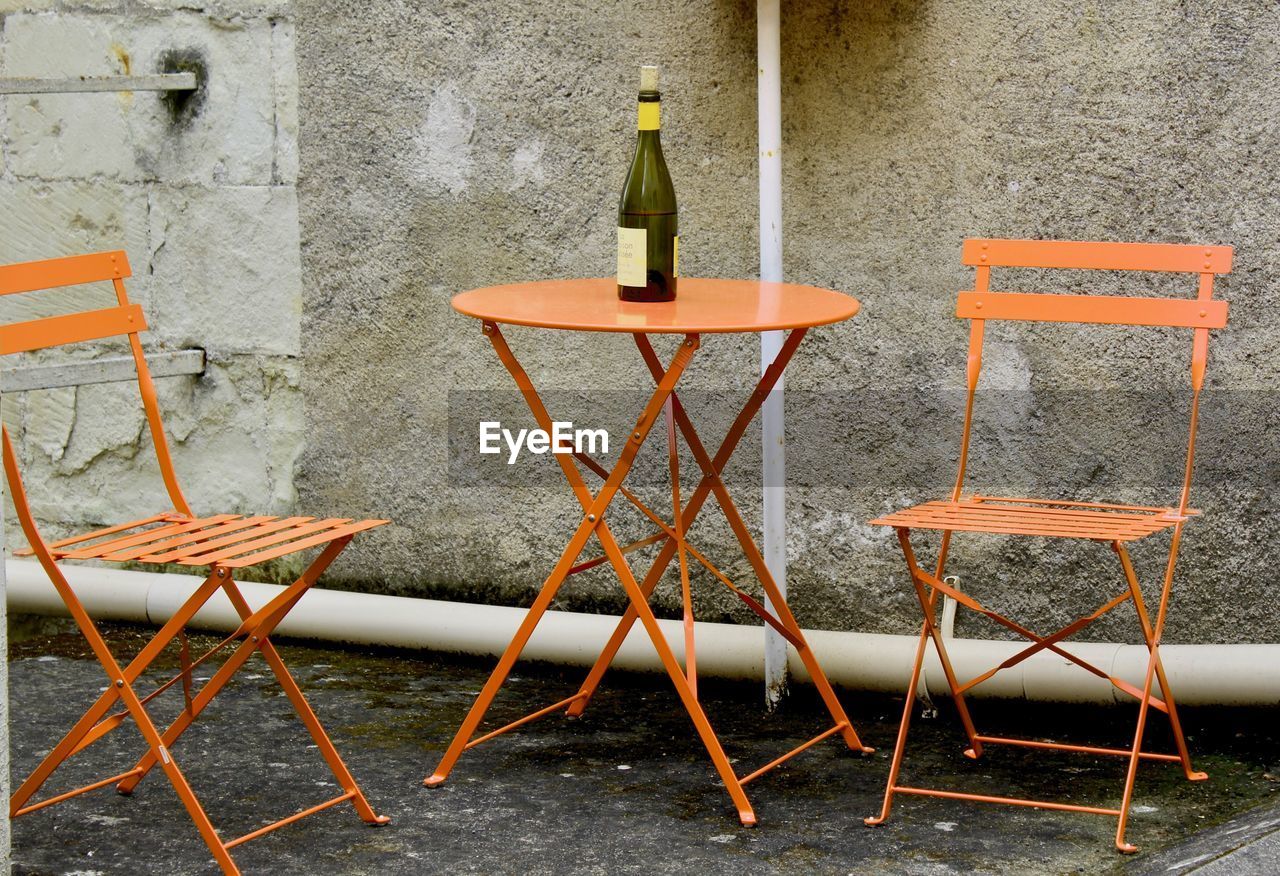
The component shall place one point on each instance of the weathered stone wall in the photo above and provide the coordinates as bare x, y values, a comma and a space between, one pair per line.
458, 144
201, 194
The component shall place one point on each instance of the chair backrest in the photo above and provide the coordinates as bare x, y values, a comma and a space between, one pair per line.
54, 331
1200, 314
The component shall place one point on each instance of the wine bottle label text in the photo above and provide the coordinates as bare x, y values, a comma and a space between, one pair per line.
632, 250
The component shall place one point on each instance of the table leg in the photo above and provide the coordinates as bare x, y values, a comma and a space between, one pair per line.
696, 500
779, 603
712, 468
640, 605
678, 528
592, 522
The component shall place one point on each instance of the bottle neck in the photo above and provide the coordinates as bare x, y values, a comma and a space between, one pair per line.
648, 112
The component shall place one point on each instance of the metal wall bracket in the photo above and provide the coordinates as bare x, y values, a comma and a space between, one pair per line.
109, 370
81, 84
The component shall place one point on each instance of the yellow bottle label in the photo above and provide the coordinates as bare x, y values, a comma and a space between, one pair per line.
632, 248
649, 114
675, 256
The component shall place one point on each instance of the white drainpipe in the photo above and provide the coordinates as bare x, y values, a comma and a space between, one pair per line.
1200, 674
772, 413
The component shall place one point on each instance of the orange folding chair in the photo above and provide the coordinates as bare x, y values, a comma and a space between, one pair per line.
1109, 524
222, 542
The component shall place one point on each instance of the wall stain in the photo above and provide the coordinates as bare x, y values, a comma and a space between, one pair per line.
184, 106
125, 98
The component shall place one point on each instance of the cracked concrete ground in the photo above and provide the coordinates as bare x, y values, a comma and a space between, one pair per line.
626, 789
1244, 845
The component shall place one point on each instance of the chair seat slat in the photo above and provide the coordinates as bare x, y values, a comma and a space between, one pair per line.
990, 517
1155, 509
1064, 513
155, 533
201, 557
229, 540
322, 538
1040, 523
165, 555
99, 533
1008, 528
246, 524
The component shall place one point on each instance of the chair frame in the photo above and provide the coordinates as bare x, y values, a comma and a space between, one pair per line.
1104, 523
177, 536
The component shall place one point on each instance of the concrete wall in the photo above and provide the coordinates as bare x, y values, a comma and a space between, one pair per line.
468, 144
461, 144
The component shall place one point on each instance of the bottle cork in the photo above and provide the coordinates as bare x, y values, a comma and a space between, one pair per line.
648, 78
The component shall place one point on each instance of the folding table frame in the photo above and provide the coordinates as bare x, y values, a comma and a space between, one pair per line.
223, 543
1113, 525
674, 545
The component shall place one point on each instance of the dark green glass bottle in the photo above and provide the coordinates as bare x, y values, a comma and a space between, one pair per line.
648, 237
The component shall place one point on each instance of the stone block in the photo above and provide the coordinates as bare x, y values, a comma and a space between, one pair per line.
223, 133
284, 69
4, 121
9, 6
108, 419
40, 220
12, 410
227, 274
48, 418
235, 433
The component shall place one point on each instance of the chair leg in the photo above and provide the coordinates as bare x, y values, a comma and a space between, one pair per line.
928, 630
1154, 667
308, 716
123, 688
1132, 773
184, 659
900, 746
928, 602
75, 738
161, 753
264, 622
1148, 632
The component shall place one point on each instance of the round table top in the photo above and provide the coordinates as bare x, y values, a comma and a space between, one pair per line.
701, 306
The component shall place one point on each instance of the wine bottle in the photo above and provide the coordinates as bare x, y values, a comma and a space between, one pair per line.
648, 238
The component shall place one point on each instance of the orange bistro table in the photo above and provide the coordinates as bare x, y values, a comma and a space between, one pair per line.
703, 307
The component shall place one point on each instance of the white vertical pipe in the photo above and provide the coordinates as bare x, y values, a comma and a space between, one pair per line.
769, 89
